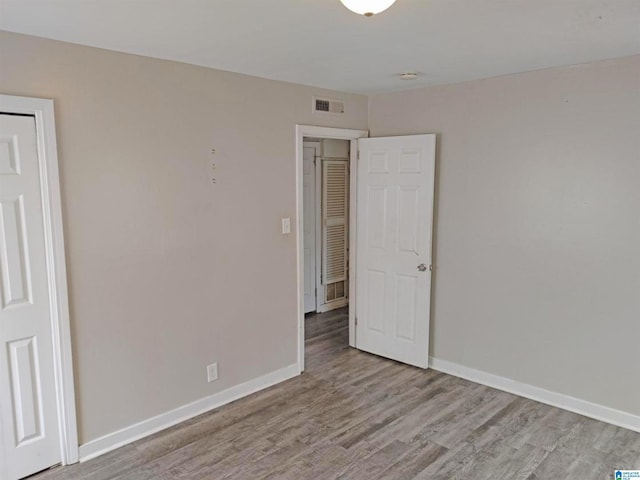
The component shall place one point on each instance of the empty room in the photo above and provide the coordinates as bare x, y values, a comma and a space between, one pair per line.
319, 239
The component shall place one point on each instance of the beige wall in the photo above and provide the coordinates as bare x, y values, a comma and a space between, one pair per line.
537, 259
168, 272
538, 224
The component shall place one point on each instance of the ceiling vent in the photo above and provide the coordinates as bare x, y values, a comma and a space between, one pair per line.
327, 105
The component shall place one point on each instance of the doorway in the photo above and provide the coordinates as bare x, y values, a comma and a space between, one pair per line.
37, 406
314, 137
326, 224
390, 223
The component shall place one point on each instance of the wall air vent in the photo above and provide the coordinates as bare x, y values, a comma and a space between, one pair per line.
327, 105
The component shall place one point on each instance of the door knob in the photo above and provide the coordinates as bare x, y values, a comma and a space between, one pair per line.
422, 267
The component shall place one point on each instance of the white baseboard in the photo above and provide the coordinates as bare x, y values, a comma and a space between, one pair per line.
160, 422
566, 402
155, 424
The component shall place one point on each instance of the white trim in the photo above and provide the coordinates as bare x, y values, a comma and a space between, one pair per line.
42, 110
315, 132
317, 227
555, 399
318, 175
168, 419
353, 230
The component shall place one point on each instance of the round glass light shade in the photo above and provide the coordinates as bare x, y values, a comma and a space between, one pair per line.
367, 7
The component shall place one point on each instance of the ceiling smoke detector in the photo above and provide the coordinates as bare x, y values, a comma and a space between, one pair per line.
368, 8
408, 76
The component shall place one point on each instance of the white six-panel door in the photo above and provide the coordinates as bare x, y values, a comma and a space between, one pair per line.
29, 436
394, 224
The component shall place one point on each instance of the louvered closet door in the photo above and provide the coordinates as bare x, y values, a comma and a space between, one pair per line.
335, 206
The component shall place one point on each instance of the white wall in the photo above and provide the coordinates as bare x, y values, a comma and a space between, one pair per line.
537, 247
168, 272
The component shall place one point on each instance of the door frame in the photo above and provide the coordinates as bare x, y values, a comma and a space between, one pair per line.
316, 224
338, 134
42, 110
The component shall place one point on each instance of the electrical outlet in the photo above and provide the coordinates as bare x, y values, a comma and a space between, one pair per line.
212, 372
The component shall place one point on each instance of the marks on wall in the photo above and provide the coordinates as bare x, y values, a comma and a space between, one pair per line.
213, 167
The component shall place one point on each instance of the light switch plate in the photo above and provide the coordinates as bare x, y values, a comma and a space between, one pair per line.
286, 225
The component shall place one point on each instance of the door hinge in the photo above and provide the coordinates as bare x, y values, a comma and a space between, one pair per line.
356, 320
358, 154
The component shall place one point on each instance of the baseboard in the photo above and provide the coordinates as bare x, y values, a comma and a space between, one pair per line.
160, 422
155, 424
566, 402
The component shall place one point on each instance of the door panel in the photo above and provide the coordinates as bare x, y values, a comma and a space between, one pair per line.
14, 255
29, 434
376, 216
375, 300
394, 224
26, 395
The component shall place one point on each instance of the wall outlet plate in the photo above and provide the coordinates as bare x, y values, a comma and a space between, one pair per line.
212, 372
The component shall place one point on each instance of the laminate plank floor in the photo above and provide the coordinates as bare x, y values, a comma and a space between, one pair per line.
352, 415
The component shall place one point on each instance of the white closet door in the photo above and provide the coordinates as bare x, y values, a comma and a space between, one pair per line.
29, 436
394, 224
335, 208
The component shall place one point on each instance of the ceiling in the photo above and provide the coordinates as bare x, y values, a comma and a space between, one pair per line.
319, 42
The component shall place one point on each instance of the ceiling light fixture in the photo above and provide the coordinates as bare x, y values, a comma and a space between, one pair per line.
367, 8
